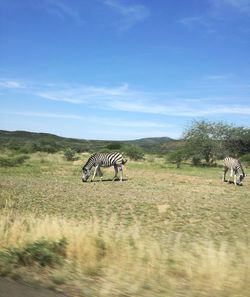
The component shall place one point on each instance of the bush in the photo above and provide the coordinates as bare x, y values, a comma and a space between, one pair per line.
116, 146
176, 157
135, 152
246, 158
196, 161
70, 154
42, 252
13, 161
101, 248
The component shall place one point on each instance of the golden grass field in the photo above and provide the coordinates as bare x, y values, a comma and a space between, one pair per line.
162, 232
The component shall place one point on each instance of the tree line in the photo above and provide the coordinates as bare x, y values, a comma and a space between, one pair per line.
205, 142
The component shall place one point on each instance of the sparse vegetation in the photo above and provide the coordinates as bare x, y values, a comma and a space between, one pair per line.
134, 152
42, 252
176, 157
6, 161
162, 232
246, 158
70, 155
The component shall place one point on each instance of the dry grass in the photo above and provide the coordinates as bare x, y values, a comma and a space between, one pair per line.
105, 261
162, 232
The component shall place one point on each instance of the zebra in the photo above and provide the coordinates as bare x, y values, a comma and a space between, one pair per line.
236, 169
99, 160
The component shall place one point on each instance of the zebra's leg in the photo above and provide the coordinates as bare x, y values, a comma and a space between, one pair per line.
95, 171
99, 172
231, 174
224, 174
121, 172
116, 172
235, 179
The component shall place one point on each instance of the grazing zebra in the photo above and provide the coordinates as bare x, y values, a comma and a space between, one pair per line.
99, 160
236, 169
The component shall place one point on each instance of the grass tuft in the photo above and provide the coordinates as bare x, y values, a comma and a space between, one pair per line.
43, 252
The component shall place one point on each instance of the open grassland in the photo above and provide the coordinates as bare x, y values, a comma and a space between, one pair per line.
162, 232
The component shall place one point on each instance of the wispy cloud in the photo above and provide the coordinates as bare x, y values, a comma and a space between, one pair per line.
131, 14
124, 98
11, 84
42, 115
182, 109
65, 10
117, 122
83, 94
216, 77
239, 6
217, 14
200, 21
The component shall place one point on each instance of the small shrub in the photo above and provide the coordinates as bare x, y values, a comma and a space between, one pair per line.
13, 161
176, 157
116, 146
151, 159
135, 152
42, 252
196, 161
246, 158
101, 247
70, 155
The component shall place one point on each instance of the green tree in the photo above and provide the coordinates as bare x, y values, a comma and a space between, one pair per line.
134, 152
238, 141
213, 140
177, 157
114, 146
200, 142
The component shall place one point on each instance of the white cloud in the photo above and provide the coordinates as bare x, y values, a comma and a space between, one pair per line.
116, 122
182, 107
192, 21
62, 9
60, 95
123, 98
240, 6
11, 84
131, 13
217, 77
231, 109
82, 93
219, 14
42, 114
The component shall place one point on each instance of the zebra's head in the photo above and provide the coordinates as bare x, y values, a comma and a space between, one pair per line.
240, 179
86, 174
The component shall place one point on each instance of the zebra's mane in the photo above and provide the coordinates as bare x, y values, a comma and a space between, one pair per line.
90, 162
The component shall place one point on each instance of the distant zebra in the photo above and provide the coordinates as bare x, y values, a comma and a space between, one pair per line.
99, 160
236, 170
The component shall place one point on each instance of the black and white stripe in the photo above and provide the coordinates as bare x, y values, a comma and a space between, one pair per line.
236, 170
99, 160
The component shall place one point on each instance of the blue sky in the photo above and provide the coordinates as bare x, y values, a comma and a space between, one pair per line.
123, 69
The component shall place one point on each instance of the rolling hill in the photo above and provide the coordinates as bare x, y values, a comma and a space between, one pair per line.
31, 141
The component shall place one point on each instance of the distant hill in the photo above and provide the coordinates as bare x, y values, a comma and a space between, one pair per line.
31, 141
155, 144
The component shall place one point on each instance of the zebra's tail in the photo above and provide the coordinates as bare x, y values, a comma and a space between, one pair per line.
124, 161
